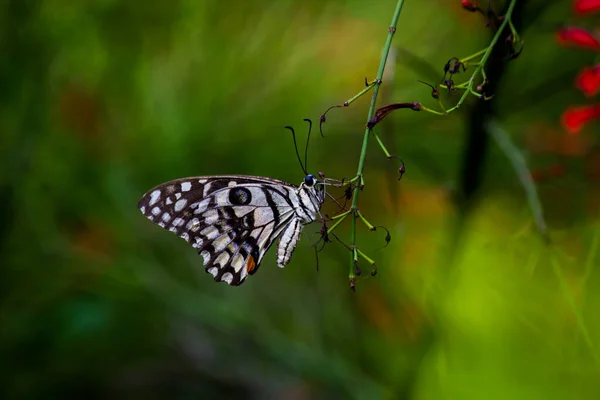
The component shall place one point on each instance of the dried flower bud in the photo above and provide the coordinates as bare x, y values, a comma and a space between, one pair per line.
469, 6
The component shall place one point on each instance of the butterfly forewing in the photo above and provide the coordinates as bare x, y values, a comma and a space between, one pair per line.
231, 220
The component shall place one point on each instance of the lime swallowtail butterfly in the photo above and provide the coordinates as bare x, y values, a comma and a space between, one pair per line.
232, 220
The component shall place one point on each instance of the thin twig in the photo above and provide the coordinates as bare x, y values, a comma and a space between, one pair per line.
486, 55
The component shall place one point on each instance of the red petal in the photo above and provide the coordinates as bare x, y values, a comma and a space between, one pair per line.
588, 80
578, 37
586, 6
574, 118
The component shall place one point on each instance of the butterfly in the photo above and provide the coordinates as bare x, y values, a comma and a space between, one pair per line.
232, 220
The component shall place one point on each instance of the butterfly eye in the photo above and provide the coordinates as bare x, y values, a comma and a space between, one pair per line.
310, 180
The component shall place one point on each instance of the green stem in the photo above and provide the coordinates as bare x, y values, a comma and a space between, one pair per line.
363, 152
487, 54
429, 110
363, 255
353, 258
365, 90
385, 150
342, 215
339, 221
364, 220
473, 55
476, 94
439, 101
513, 31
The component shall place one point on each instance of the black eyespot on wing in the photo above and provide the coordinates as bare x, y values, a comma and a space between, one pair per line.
240, 196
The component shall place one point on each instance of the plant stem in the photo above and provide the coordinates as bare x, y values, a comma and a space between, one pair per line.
473, 55
485, 57
385, 151
339, 221
359, 94
363, 152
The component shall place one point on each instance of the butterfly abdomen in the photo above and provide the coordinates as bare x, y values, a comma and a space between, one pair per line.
288, 242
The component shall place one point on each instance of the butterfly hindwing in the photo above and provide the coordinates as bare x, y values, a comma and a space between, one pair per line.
231, 220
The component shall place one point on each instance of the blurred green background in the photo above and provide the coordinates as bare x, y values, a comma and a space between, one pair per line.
100, 100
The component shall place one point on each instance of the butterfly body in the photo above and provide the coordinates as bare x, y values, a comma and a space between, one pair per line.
232, 220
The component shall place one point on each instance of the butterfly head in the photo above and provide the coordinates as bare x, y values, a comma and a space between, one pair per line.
310, 180
315, 187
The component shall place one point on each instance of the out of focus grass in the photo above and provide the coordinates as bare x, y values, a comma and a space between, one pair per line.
104, 99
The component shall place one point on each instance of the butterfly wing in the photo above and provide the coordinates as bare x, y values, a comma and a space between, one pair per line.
231, 220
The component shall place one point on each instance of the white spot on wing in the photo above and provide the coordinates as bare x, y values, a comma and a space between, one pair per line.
206, 255
206, 188
193, 225
222, 198
221, 243
210, 232
143, 209
232, 183
161, 224
240, 211
154, 196
166, 217
169, 201
227, 277
178, 221
258, 197
186, 186
202, 181
198, 243
155, 211
180, 204
211, 216
238, 263
173, 229
263, 216
222, 259
185, 236
200, 206
263, 237
213, 271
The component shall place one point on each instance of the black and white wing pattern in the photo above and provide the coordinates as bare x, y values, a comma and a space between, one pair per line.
232, 220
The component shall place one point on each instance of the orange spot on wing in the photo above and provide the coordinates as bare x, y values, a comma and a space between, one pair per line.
250, 264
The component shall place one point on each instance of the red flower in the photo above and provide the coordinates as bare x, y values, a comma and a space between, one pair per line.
588, 80
576, 117
586, 6
578, 37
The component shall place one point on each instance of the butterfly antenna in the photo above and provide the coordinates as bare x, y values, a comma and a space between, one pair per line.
307, 141
296, 148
